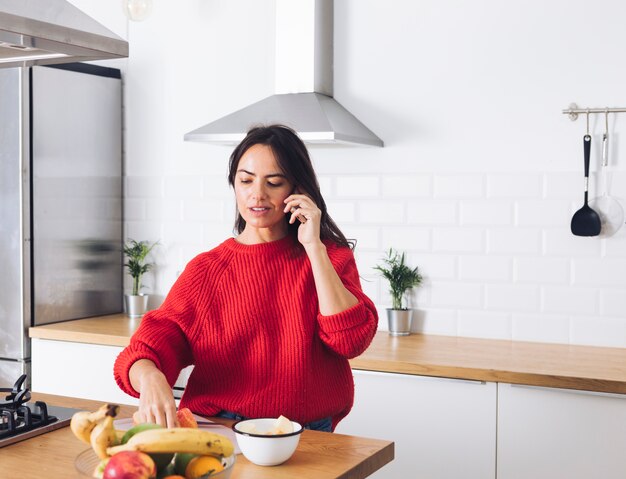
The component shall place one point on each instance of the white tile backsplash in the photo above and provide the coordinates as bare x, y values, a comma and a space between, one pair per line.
485, 324
457, 239
513, 297
407, 186
432, 212
613, 301
570, 300
357, 186
459, 186
514, 186
476, 184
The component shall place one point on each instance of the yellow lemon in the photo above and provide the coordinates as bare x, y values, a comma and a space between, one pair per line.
202, 466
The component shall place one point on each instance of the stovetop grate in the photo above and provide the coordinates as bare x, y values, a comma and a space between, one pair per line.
16, 416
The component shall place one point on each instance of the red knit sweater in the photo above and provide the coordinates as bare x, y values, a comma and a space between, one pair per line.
247, 317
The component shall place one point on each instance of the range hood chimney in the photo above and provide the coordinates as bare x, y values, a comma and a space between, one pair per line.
40, 32
303, 96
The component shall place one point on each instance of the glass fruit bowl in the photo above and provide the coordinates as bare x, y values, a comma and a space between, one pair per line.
87, 461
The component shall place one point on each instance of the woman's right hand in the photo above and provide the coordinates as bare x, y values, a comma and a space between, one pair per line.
156, 401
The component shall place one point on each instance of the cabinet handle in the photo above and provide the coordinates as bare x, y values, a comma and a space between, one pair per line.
580, 392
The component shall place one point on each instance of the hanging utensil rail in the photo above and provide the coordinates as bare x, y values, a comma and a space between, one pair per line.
573, 111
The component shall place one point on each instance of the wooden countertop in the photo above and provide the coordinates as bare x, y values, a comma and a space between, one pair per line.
319, 454
539, 364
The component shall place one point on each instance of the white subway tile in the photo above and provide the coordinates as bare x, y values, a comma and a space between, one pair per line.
514, 240
216, 186
366, 237
459, 186
134, 209
432, 212
486, 268
570, 300
512, 297
143, 187
596, 331
486, 212
461, 240
484, 324
438, 321
215, 234
615, 246
182, 232
613, 301
203, 210
599, 272
160, 209
561, 242
542, 270
381, 212
183, 187
366, 260
515, 186
143, 230
545, 328
406, 238
357, 186
554, 213
434, 266
564, 184
341, 211
456, 295
326, 186
407, 186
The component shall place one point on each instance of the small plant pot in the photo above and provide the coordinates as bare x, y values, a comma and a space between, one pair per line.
136, 305
399, 321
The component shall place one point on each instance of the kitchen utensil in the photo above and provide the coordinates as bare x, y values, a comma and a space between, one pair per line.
608, 208
586, 222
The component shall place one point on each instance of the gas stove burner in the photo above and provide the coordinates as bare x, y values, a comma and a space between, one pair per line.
18, 394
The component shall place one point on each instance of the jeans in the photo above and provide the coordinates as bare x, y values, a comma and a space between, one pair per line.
319, 425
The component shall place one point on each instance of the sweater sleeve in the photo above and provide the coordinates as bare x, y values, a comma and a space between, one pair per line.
162, 336
349, 332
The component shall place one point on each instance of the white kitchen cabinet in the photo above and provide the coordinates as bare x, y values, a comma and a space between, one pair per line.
80, 370
442, 428
77, 370
554, 433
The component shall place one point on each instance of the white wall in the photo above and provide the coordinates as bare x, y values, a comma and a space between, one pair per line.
480, 173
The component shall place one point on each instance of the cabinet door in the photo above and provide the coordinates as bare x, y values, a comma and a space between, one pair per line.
442, 428
553, 433
76, 370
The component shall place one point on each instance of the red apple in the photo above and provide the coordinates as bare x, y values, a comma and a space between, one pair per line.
185, 418
130, 465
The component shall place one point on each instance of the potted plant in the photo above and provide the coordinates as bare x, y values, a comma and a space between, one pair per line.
137, 252
401, 280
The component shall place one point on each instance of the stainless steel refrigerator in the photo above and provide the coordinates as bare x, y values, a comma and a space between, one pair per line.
60, 201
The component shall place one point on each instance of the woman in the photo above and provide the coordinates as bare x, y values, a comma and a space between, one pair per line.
269, 318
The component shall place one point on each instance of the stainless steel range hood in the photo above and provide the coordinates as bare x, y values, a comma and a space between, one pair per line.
303, 96
39, 32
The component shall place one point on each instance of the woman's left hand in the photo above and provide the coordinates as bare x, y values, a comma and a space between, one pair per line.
302, 205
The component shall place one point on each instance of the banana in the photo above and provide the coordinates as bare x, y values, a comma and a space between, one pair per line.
103, 436
177, 439
83, 422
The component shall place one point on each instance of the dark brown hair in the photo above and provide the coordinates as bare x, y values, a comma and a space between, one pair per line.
295, 163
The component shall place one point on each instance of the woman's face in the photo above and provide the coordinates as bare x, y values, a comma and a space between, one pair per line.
260, 190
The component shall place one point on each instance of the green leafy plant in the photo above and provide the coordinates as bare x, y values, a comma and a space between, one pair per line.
401, 278
137, 252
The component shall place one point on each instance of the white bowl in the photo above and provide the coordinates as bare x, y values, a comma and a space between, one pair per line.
266, 450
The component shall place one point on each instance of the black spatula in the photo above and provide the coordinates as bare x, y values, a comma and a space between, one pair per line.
586, 222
